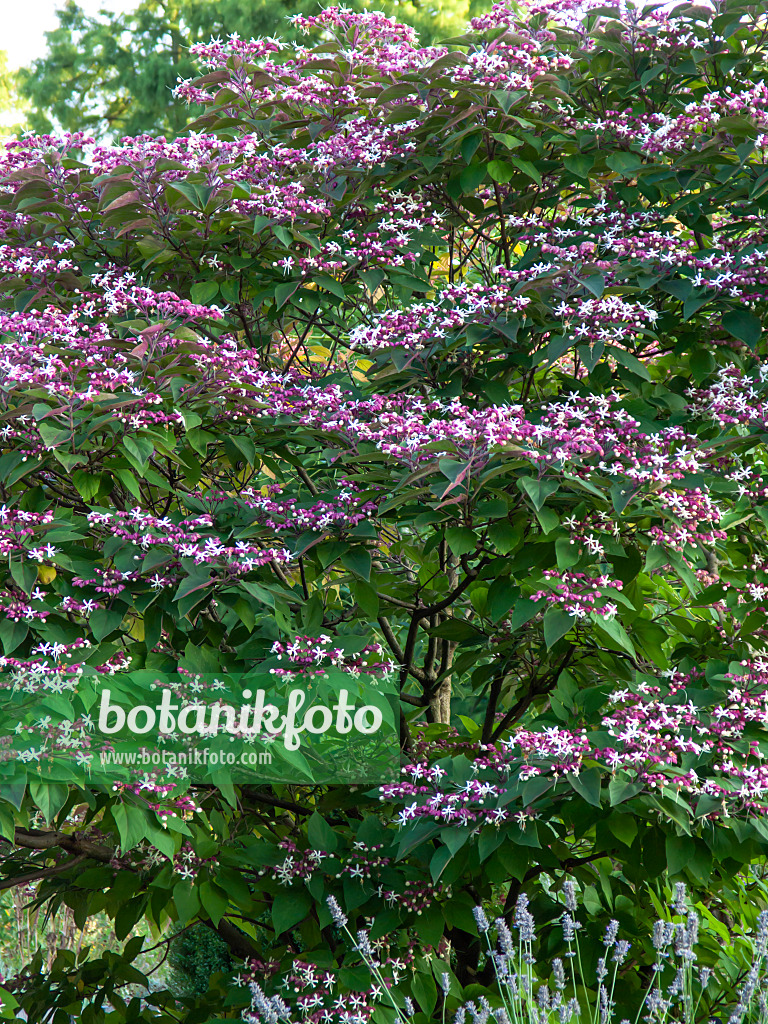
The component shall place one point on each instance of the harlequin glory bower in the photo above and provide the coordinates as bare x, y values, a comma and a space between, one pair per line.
450, 357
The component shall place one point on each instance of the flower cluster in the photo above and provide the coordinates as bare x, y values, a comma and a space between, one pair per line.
652, 730
309, 655
578, 593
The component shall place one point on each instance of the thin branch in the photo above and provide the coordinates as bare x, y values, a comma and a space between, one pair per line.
273, 801
36, 876
537, 689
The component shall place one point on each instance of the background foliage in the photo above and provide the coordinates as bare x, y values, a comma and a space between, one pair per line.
114, 74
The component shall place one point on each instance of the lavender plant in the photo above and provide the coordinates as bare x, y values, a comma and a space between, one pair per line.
531, 990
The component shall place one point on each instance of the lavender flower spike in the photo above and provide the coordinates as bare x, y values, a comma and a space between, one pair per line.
569, 888
338, 915
480, 919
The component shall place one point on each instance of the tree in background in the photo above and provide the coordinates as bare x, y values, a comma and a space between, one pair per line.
10, 102
195, 955
114, 75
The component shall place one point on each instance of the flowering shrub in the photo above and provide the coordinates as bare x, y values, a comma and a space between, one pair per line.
445, 357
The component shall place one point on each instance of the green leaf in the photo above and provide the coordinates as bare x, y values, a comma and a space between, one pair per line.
590, 354
681, 288
469, 145
500, 171
472, 177
621, 789
567, 552
744, 326
510, 141
204, 292
405, 112
366, 597
139, 450
23, 299
621, 494
331, 285
529, 169
537, 490
506, 97
68, 460
186, 899
623, 826
650, 74
548, 519
130, 823
9, 1006
614, 629
372, 279
680, 850
358, 561
104, 621
230, 291
192, 584
524, 610
288, 908
624, 163
128, 480
579, 164
505, 536
320, 834
214, 900
502, 594
87, 484
259, 223
456, 629
760, 187
556, 625
12, 634
424, 992
282, 234
128, 915
24, 575
50, 797
189, 191
52, 436
241, 446
358, 979
452, 469
587, 785
283, 292
431, 924
630, 361
595, 284
160, 837
461, 540
7, 823
439, 862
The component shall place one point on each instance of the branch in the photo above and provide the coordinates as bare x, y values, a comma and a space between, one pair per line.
390, 637
273, 801
490, 711
471, 576
536, 689
238, 941
416, 702
36, 876
33, 839
397, 650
